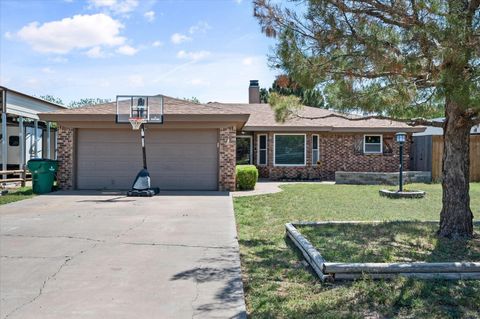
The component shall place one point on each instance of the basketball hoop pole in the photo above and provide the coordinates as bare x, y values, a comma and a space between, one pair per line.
144, 151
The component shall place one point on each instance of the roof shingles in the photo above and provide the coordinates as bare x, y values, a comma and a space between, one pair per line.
260, 115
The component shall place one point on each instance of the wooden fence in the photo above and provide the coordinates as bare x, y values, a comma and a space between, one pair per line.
15, 176
437, 155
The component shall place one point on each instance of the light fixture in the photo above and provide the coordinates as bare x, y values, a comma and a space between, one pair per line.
401, 137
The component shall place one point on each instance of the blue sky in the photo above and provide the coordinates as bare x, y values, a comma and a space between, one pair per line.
100, 48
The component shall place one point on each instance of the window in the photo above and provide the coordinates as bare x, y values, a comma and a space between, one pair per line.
262, 150
372, 144
244, 150
289, 150
14, 140
315, 150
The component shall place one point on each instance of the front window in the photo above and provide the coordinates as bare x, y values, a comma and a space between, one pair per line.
244, 150
372, 144
290, 149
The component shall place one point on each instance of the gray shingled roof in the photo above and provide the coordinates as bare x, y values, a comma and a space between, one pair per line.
260, 115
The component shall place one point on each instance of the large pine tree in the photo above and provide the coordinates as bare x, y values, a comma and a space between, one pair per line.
398, 58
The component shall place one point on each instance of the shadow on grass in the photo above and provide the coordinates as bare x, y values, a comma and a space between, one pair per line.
399, 241
279, 284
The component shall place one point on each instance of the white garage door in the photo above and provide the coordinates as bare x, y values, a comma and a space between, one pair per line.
176, 159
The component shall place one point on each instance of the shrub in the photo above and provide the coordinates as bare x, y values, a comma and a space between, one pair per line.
247, 176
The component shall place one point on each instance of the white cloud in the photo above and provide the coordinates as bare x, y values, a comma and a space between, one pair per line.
47, 70
227, 76
149, 15
4, 81
247, 61
238, 1
178, 38
78, 32
96, 53
8, 35
199, 82
194, 55
200, 27
32, 82
116, 6
58, 59
136, 80
127, 50
157, 44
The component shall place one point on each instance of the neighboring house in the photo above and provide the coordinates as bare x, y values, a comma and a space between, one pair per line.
199, 145
22, 135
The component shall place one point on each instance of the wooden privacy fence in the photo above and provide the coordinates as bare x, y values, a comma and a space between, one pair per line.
437, 156
15, 176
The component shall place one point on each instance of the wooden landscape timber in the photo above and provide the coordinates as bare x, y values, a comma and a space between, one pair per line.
312, 255
330, 271
415, 267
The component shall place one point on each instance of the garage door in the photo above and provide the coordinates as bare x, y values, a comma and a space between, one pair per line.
177, 159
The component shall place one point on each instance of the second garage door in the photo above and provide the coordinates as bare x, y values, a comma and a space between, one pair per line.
177, 159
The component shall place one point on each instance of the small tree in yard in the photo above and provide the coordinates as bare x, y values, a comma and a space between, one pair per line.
393, 58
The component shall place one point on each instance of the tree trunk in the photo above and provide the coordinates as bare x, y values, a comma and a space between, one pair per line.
456, 218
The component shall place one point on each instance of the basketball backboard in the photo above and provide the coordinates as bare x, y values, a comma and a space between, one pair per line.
149, 108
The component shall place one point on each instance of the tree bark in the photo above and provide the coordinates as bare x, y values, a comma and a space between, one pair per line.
456, 218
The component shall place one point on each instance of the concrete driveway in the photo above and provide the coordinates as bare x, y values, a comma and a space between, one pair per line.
81, 255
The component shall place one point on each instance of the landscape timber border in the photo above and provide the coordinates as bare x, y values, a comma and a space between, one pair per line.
331, 271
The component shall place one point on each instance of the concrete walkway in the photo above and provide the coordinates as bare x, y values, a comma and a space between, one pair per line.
267, 187
92, 255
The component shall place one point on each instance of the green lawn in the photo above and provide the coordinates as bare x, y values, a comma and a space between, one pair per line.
15, 195
393, 242
278, 284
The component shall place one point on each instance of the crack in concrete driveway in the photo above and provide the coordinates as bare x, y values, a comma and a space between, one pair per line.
66, 256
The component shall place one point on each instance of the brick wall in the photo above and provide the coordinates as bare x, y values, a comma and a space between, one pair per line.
65, 158
227, 153
338, 152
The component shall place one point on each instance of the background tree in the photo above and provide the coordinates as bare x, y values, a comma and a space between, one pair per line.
52, 99
74, 103
398, 58
87, 101
286, 85
264, 95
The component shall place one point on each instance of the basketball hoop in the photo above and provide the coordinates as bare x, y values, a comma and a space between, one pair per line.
136, 122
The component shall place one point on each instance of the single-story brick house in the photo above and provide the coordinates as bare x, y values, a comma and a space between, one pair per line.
199, 145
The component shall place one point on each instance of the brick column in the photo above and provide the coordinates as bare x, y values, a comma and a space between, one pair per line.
65, 157
227, 152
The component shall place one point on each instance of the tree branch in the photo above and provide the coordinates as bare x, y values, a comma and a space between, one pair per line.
411, 122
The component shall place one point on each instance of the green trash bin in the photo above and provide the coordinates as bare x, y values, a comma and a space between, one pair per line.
43, 174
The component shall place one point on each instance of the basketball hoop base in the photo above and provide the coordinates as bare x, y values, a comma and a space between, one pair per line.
143, 193
141, 186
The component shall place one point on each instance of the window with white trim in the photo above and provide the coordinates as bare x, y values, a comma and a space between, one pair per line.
372, 144
315, 149
262, 158
289, 149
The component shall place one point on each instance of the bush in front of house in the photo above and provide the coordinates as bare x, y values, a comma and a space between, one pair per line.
247, 177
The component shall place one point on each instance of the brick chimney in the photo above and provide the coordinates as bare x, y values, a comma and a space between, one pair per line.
253, 92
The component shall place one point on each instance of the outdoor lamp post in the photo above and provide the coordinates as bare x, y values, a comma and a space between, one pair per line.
401, 138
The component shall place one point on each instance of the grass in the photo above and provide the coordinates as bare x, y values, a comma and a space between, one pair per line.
393, 242
278, 283
14, 195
